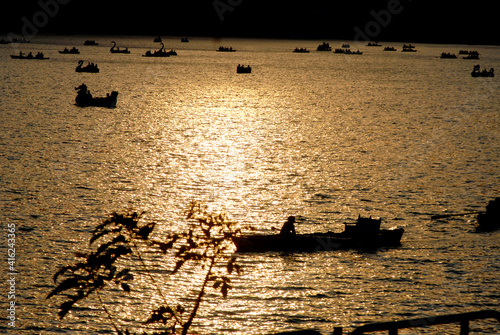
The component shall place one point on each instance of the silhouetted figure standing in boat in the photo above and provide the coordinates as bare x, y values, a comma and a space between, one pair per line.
288, 228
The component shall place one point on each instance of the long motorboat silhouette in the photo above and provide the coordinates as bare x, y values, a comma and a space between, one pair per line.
365, 234
38, 56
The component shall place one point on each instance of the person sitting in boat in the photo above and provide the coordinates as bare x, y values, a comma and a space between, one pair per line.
288, 228
490, 220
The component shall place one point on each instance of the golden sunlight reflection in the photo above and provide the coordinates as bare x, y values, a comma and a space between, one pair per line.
321, 136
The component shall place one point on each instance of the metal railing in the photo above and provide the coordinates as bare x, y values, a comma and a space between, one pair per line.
393, 326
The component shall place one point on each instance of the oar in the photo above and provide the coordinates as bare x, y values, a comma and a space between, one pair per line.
441, 216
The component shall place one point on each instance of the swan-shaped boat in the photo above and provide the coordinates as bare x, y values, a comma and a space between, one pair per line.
160, 53
85, 99
476, 72
90, 68
115, 50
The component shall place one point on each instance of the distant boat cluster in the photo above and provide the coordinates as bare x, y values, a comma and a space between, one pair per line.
346, 48
470, 54
84, 98
14, 40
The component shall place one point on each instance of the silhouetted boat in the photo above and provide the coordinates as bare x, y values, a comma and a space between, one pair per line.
463, 52
324, 47
346, 45
160, 53
19, 40
72, 51
476, 72
373, 44
301, 50
448, 55
85, 99
90, 68
364, 234
184, 40
157, 39
226, 49
116, 50
347, 52
38, 56
472, 55
490, 220
408, 48
90, 42
243, 69
389, 49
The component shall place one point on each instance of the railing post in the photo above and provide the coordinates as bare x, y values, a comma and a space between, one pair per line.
464, 327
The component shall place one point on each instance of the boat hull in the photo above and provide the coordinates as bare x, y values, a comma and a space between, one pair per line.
477, 74
87, 69
318, 242
27, 57
109, 101
243, 70
487, 222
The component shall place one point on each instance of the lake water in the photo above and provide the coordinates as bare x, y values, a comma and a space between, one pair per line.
321, 136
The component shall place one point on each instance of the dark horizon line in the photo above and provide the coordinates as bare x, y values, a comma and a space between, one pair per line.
5, 35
